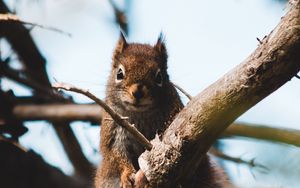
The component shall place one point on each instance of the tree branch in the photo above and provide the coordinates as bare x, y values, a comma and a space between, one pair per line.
182, 91
25, 168
92, 113
20, 40
251, 163
120, 17
58, 112
82, 166
282, 135
34, 63
21, 78
176, 156
116, 117
16, 19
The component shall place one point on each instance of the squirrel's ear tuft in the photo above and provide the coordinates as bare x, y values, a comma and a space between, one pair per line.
122, 44
160, 46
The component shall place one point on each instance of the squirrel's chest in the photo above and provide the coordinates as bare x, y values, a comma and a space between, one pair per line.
147, 125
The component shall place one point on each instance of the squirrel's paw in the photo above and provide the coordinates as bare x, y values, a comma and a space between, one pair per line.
141, 180
127, 179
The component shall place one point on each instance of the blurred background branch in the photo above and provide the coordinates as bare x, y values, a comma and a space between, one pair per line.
34, 68
120, 16
92, 113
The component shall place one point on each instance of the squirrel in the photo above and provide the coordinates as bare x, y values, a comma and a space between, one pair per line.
139, 89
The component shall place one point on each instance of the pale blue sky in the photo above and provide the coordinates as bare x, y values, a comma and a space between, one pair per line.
205, 39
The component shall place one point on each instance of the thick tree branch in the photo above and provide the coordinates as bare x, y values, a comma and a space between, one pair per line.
176, 156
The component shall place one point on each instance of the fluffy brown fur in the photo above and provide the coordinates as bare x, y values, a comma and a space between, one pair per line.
138, 88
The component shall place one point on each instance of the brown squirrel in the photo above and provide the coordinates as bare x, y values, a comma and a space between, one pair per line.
138, 88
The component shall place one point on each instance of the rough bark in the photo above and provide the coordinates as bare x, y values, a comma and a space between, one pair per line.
176, 156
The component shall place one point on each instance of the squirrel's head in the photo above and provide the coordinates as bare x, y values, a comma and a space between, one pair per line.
139, 78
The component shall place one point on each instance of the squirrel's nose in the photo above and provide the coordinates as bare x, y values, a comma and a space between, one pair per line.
137, 91
138, 94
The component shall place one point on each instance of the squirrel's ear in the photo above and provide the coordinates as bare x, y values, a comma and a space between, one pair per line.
122, 44
160, 44
161, 47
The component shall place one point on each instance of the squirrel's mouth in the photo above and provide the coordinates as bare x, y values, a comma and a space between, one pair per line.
136, 106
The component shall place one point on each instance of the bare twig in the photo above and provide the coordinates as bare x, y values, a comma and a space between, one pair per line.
120, 17
258, 39
239, 160
15, 18
182, 91
117, 118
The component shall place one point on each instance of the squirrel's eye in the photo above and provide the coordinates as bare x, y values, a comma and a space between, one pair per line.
158, 78
120, 73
